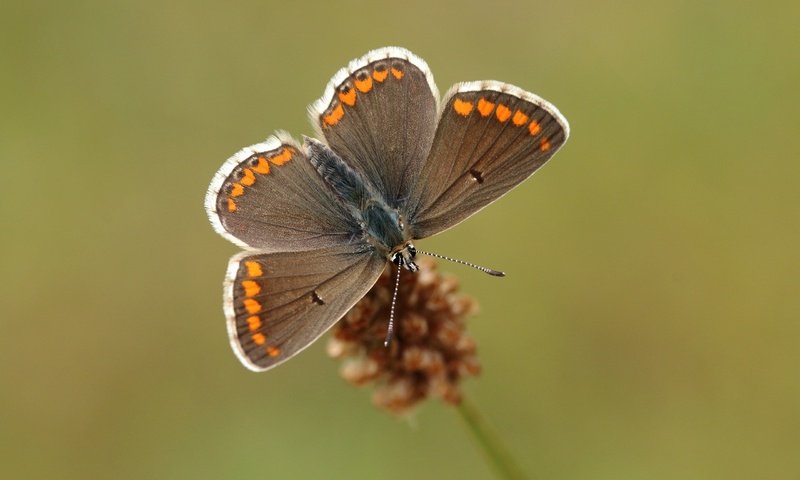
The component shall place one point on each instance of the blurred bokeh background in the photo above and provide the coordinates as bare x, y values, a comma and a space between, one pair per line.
649, 324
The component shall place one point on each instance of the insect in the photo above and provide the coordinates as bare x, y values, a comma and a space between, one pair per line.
391, 164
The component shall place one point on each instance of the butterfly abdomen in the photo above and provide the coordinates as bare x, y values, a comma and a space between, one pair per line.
343, 180
379, 222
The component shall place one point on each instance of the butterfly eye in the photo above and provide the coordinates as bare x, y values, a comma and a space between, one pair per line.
397, 259
412, 250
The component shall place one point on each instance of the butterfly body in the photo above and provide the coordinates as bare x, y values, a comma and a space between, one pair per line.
380, 224
391, 164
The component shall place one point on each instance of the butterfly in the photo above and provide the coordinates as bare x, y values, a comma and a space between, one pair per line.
391, 163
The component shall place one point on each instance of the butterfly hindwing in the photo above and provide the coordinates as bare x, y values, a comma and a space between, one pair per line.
491, 136
379, 115
277, 304
269, 196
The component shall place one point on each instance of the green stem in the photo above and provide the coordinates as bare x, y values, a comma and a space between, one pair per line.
502, 461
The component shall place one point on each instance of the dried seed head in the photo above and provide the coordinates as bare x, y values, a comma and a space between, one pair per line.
430, 352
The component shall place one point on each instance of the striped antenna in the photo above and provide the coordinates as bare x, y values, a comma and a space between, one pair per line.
494, 273
390, 331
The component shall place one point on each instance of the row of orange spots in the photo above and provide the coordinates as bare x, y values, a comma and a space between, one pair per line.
253, 307
260, 165
502, 113
363, 82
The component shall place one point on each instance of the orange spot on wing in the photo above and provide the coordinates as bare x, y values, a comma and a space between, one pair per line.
398, 74
544, 145
503, 113
284, 156
251, 288
231, 205
364, 85
236, 190
462, 107
247, 177
335, 115
259, 339
348, 97
253, 323
380, 75
253, 268
252, 306
262, 166
273, 351
519, 119
485, 107
534, 127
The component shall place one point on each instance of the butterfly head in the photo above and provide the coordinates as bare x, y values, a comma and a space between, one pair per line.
404, 257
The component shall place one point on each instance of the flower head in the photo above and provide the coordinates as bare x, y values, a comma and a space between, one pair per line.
430, 352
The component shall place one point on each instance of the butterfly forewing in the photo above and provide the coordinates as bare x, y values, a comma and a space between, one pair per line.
279, 303
379, 115
269, 196
490, 137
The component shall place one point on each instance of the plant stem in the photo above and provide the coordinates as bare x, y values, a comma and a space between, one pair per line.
502, 461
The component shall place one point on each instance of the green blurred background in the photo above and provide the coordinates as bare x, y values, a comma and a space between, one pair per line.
649, 325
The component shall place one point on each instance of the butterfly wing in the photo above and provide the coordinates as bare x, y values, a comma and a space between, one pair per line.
491, 136
277, 304
311, 265
269, 197
379, 115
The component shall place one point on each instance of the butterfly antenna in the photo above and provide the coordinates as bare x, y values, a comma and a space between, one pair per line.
494, 273
390, 330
